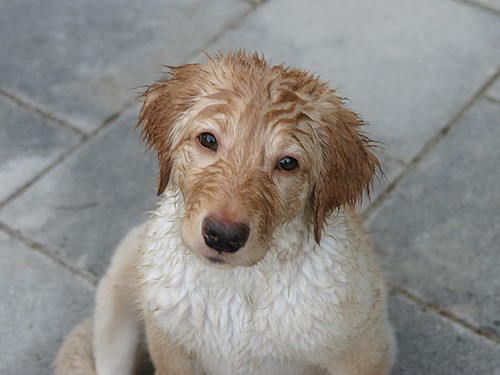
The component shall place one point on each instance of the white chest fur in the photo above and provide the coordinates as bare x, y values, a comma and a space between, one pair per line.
295, 306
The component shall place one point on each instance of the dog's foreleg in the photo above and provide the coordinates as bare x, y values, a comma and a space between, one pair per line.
168, 358
117, 323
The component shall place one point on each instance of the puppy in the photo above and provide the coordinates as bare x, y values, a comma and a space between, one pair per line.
254, 261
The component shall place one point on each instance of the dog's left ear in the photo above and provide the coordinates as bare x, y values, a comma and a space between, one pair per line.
165, 102
348, 164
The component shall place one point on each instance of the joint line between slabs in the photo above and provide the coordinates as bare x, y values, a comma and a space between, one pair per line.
38, 247
43, 113
443, 313
254, 5
430, 145
479, 6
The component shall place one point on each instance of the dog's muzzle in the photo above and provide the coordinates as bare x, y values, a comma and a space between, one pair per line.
224, 236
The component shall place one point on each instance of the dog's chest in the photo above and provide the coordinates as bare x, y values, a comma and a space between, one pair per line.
231, 329
270, 318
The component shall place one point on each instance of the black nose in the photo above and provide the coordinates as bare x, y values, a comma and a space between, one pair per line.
223, 236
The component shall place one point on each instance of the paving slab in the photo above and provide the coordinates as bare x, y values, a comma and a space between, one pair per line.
82, 60
407, 66
41, 301
28, 144
83, 207
439, 230
431, 345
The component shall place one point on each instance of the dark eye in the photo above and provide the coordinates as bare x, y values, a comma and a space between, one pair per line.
287, 164
208, 140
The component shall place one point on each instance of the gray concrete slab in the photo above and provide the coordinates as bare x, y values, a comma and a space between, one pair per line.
439, 230
28, 145
431, 345
82, 208
407, 66
81, 60
41, 301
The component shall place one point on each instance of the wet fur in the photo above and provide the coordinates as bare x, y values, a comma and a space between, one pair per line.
304, 294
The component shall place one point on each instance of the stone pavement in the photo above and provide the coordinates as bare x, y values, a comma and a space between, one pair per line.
74, 175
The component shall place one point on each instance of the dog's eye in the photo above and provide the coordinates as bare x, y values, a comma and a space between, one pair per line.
287, 164
208, 140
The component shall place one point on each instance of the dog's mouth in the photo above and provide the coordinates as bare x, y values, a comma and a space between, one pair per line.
215, 260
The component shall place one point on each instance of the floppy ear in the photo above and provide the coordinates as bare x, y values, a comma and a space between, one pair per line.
348, 164
164, 104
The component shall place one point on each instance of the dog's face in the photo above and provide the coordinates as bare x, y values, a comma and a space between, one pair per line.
251, 148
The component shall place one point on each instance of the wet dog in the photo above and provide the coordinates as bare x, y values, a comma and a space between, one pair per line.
254, 261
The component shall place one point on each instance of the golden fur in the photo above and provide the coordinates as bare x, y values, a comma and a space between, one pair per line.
257, 116
267, 108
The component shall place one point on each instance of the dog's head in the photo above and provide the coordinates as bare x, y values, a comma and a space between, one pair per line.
252, 147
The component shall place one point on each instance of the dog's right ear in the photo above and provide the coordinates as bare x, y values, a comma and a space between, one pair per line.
165, 102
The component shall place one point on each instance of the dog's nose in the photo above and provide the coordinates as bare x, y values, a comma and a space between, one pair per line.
224, 236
